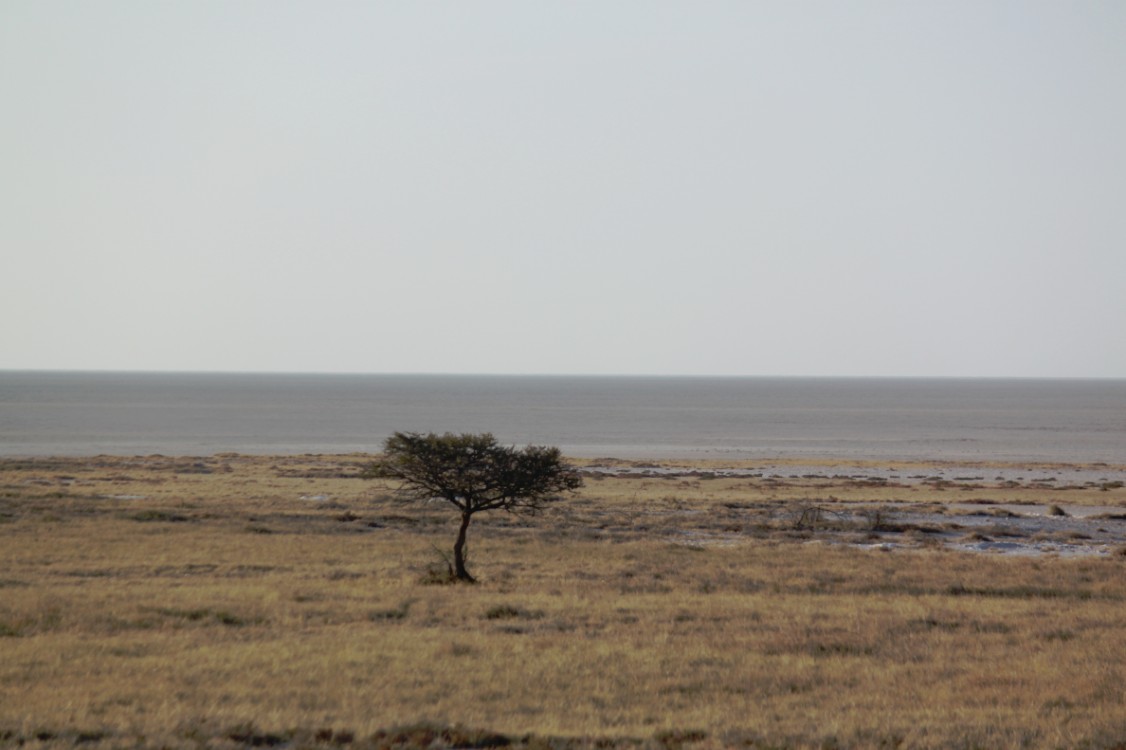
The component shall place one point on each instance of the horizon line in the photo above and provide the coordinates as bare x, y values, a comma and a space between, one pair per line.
633, 375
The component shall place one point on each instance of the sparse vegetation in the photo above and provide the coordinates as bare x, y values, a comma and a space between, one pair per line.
649, 612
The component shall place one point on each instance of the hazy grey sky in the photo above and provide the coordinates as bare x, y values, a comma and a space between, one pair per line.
730, 188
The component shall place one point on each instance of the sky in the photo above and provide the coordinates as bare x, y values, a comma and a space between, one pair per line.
816, 188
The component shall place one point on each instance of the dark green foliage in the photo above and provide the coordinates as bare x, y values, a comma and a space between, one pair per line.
474, 472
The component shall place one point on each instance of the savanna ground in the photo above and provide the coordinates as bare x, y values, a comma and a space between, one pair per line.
235, 601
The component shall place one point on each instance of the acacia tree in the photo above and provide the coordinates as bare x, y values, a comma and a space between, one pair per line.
474, 473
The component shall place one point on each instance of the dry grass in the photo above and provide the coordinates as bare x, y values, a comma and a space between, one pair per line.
237, 601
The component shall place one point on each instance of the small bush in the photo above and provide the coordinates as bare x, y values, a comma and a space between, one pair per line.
460, 649
248, 735
428, 735
226, 618
164, 516
339, 574
1059, 635
674, 739
509, 612
337, 737
438, 574
206, 615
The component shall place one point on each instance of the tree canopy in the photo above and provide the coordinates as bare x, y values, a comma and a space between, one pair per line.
474, 473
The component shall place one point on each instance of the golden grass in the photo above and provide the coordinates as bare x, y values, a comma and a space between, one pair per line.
146, 603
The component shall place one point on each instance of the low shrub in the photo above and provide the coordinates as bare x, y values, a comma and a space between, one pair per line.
510, 612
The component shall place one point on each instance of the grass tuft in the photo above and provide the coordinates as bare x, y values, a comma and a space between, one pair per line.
510, 612
157, 515
396, 614
427, 735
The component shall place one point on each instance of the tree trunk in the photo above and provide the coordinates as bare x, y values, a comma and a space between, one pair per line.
459, 551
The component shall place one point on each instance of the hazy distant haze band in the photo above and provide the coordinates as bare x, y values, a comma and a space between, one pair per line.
45, 413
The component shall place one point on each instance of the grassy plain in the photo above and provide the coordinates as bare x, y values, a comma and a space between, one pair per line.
236, 601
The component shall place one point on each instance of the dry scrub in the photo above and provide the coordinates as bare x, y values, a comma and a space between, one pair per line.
250, 601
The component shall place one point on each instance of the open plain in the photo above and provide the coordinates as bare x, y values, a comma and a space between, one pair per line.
236, 601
